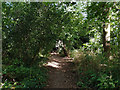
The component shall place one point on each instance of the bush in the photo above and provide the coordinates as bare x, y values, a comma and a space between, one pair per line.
106, 81
96, 71
15, 76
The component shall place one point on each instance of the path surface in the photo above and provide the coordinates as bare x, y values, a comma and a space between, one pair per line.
61, 74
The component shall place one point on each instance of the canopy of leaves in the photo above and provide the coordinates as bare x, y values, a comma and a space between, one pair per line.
31, 30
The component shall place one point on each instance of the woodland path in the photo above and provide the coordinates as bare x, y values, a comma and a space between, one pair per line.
61, 73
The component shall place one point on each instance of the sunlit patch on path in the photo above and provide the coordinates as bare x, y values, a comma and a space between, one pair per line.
60, 72
53, 64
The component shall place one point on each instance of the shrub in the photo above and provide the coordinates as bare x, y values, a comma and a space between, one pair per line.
15, 76
96, 71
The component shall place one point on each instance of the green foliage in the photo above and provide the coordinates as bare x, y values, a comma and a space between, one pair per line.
31, 30
37, 78
18, 75
96, 71
106, 81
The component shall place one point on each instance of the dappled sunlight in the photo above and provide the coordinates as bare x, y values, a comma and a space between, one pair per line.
60, 73
53, 64
56, 60
54, 53
68, 59
65, 44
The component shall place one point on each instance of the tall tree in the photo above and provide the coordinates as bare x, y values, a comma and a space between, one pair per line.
102, 15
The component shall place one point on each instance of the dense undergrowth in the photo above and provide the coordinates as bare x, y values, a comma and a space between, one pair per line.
18, 75
96, 71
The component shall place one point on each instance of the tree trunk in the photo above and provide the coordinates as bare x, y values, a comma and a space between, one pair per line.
65, 51
106, 39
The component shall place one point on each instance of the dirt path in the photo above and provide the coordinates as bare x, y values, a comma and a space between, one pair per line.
61, 74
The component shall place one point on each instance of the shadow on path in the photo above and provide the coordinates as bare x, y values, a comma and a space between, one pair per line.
61, 74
